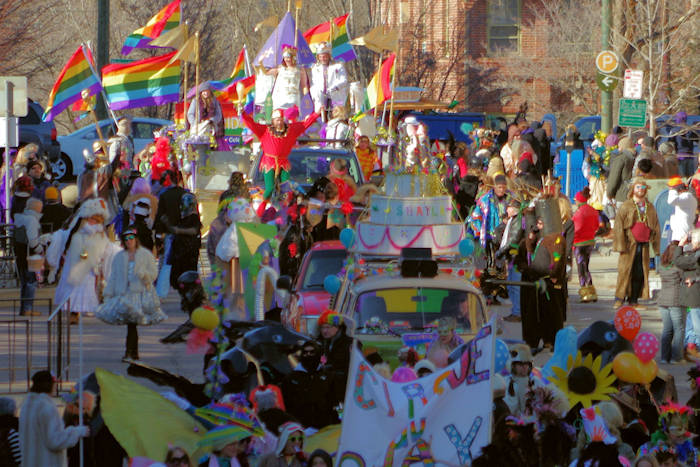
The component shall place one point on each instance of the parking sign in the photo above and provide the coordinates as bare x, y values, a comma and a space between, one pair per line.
633, 84
606, 61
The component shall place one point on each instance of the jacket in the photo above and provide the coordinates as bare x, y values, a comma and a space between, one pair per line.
621, 165
144, 267
336, 84
683, 217
585, 224
671, 282
43, 437
689, 263
29, 219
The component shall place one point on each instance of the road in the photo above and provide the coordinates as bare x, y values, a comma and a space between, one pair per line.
103, 345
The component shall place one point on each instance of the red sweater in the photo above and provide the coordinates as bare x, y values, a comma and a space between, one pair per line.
585, 224
277, 146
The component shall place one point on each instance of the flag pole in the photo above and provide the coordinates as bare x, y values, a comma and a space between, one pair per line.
297, 7
102, 90
376, 85
196, 77
248, 68
184, 93
391, 103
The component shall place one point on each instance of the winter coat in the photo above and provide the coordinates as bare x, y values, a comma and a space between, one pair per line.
683, 217
671, 278
585, 224
621, 164
29, 219
689, 263
54, 215
10, 449
144, 267
43, 437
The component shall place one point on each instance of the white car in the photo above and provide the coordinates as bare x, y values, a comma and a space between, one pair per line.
70, 164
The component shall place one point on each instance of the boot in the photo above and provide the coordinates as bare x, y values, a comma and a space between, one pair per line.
584, 292
132, 343
592, 293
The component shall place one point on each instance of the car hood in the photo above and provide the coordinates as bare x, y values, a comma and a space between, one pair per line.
314, 301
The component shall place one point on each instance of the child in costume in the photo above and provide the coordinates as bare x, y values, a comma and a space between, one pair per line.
673, 434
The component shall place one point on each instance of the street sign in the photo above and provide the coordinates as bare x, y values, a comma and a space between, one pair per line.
606, 61
18, 99
12, 125
633, 113
606, 82
633, 84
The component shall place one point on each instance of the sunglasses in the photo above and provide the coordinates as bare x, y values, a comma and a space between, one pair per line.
295, 439
129, 237
644, 187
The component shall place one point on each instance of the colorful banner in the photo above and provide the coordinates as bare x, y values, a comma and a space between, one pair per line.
166, 19
423, 421
235, 130
337, 34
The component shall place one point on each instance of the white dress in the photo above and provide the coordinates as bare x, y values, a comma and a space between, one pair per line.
286, 92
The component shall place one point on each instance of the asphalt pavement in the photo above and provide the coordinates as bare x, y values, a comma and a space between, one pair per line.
103, 344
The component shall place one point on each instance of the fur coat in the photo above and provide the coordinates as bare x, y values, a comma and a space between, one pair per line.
144, 267
43, 437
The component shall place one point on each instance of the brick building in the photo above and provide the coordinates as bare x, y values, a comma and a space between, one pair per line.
456, 48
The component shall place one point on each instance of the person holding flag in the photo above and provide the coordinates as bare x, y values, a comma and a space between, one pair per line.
277, 141
329, 81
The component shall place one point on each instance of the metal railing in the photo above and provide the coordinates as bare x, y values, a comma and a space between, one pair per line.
28, 347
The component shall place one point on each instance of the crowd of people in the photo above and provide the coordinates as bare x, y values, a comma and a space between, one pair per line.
134, 231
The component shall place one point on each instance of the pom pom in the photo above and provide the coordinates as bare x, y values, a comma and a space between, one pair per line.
292, 249
198, 341
346, 208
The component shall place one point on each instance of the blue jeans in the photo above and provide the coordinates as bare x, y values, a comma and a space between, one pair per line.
692, 323
27, 291
514, 290
673, 333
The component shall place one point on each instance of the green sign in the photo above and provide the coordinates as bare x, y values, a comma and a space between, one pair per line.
633, 113
606, 82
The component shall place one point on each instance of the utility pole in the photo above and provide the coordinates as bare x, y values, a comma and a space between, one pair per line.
605, 96
102, 49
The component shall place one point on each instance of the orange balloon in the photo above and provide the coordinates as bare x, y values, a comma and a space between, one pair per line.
628, 368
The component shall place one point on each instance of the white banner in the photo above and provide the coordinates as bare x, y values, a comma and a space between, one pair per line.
440, 419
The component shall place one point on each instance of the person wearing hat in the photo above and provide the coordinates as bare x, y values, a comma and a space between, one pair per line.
43, 436
55, 213
129, 296
509, 234
290, 448
22, 192
636, 229
685, 205
521, 380
329, 81
586, 221
85, 252
205, 117
97, 180
35, 170
336, 347
291, 82
276, 141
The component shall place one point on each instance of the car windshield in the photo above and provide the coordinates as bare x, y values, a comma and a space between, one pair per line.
404, 310
322, 263
309, 166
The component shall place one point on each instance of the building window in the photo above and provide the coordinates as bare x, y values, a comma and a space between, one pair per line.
504, 25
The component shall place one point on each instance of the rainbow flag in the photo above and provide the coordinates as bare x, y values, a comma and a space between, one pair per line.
166, 19
239, 68
76, 76
379, 88
335, 32
82, 107
229, 93
151, 81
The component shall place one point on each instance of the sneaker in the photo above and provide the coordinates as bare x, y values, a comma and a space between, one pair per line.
513, 319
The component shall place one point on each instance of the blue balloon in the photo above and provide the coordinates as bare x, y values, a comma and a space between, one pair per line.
466, 247
501, 364
565, 346
332, 284
347, 237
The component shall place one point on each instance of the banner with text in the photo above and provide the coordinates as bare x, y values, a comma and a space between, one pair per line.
440, 419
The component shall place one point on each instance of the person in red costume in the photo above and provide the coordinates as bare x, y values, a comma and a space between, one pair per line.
585, 226
160, 162
277, 141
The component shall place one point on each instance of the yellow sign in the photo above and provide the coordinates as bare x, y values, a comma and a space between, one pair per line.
606, 61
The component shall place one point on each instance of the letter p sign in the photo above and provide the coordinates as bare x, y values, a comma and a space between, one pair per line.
606, 61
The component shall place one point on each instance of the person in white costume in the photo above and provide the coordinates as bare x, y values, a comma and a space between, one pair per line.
329, 82
291, 82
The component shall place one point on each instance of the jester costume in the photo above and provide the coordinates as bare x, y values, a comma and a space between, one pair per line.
673, 435
276, 147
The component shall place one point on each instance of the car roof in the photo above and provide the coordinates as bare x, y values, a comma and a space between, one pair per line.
157, 121
446, 281
327, 245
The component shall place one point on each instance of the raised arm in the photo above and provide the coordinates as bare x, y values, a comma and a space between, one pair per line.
257, 128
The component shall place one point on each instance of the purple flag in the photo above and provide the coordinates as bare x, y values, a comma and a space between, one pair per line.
271, 53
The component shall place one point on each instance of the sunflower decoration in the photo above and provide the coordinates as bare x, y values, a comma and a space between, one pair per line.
584, 380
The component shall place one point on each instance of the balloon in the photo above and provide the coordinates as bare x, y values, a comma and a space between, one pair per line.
628, 368
403, 374
205, 318
502, 359
332, 284
564, 346
466, 247
347, 237
646, 345
628, 322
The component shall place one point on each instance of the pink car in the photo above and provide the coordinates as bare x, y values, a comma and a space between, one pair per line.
308, 297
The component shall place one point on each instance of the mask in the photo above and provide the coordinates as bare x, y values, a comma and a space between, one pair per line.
310, 362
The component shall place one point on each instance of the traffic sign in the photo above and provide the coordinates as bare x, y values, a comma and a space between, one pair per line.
606, 82
17, 97
633, 84
606, 61
633, 113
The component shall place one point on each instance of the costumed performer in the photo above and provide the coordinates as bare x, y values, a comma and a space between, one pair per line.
291, 82
329, 81
277, 141
86, 251
130, 297
211, 118
367, 156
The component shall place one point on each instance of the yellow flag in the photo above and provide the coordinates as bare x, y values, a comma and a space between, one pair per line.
174, 38
187, 52
268, 22
379, 39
